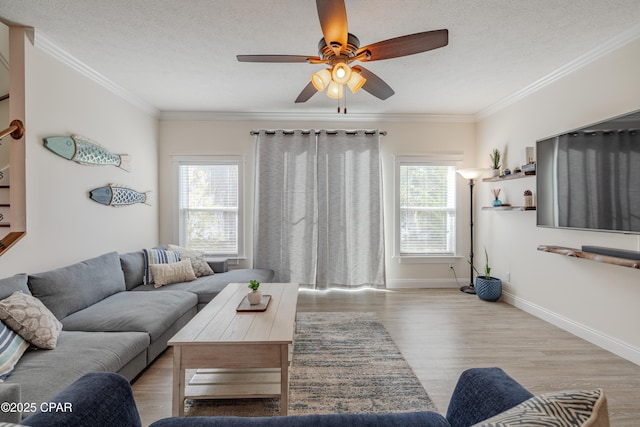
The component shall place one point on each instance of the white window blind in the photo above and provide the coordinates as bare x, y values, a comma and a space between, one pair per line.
426, 208
209, 199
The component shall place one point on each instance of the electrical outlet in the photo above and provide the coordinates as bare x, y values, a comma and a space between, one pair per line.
450, 266
508, 277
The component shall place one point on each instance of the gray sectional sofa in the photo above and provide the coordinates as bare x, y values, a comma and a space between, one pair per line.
111, 321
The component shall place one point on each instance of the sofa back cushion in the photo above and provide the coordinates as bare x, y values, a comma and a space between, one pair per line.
133, 266
14, 283
69, 289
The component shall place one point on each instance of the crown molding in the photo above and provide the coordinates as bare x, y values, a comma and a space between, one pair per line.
313, 116
604, 49
42, 42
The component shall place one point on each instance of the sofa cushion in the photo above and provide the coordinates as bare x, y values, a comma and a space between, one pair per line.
29, 317
209, 286
157, 256
563, 408
97, 399
12, 347
133, 266
42, 373
152, 313
200, 266
176, 272
72, 288
14, 283
218, 265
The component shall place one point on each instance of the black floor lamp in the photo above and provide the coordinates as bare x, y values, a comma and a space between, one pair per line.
470, 174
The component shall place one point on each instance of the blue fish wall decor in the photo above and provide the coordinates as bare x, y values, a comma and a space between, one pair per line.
84, 151
112, 195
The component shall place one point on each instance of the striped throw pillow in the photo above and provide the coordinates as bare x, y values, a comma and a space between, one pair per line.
157, 256
12, 347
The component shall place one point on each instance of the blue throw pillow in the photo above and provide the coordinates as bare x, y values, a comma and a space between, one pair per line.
157, 256
12, 347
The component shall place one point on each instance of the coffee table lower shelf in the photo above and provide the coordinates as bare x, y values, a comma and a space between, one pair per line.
233, 383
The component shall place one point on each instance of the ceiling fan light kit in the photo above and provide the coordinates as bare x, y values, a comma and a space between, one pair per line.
334, 79
338, 48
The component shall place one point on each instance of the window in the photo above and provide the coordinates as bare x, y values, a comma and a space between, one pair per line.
210, 204
425, 207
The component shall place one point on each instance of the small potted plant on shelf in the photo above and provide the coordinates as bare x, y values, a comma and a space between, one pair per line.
488, 288
255, 296
495, 157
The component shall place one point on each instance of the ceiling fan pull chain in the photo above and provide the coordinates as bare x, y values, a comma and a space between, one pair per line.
345, 102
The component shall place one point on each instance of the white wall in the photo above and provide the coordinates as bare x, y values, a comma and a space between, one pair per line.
403, 138
63, 224
597, 301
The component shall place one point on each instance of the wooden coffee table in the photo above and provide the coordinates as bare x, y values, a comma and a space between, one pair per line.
223, 354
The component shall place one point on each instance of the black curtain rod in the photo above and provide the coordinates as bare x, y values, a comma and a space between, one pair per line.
329, 132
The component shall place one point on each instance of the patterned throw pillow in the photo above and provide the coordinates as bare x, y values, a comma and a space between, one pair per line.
12, 347
29, 317
157, 256
199, 264
166, 274
560, 409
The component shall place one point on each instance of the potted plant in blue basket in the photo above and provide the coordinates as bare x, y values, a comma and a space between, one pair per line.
488, 288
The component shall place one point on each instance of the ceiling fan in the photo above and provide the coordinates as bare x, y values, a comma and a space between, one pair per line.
339, 48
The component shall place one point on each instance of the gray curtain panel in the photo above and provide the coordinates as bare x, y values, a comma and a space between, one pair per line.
286, 214
318, 201
350, 224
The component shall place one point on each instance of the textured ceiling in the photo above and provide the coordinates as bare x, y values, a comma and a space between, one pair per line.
180, 55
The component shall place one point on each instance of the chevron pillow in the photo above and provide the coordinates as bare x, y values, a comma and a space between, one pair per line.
559, 409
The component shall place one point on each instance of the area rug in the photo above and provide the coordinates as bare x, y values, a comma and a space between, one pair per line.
342, 363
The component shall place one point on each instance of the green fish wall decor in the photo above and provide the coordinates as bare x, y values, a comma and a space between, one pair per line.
84, 151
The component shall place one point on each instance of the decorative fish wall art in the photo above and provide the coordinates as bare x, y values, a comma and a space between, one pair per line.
84, 151
112, 195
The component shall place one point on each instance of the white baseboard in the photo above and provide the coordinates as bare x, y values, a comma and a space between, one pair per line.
608, 343
426, 283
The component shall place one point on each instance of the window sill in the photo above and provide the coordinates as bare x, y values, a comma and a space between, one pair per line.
422, 259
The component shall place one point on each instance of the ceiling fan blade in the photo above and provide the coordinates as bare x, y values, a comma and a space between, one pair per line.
406, 45
374, 85
333, 20
276, 58
308, 91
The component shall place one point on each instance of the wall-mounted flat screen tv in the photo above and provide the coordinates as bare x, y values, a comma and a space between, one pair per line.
589, 178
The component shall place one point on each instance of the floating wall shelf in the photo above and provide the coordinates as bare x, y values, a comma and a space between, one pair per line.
508, 208
508, 177
577, 253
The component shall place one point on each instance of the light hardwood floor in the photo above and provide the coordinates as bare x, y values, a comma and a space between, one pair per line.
442, 332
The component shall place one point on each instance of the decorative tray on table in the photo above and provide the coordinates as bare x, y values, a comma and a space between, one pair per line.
246, 306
